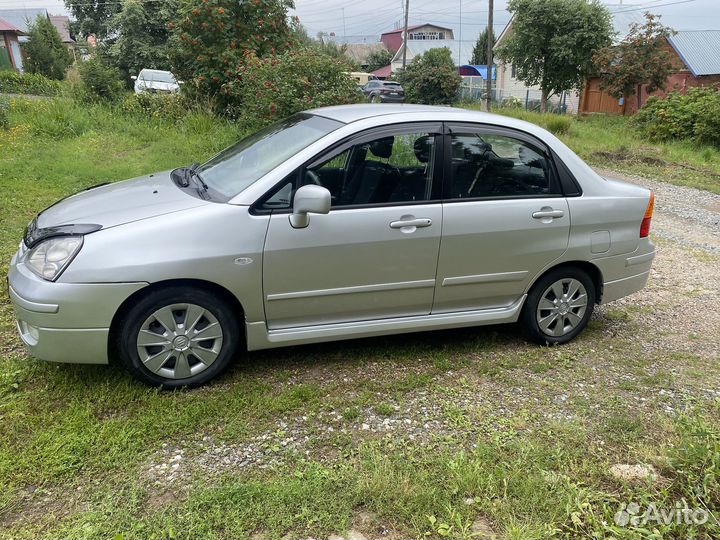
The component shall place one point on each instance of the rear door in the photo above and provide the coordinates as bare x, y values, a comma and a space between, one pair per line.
504, 217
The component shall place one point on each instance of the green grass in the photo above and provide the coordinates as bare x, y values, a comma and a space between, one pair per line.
493, 420
611, 142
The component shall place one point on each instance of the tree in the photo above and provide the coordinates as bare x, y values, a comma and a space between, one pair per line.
214, 37
639, 59
143, 36
479, 54
277, 86
92, 16
45, 51
378, 59
431, 78
551, 43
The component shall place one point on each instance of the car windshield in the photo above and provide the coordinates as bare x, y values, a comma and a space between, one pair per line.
157, 76
235, 168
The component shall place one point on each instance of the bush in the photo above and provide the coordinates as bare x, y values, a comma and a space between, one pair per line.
431, 78
695, 116
99, 81
45, 52
4, 115
170, 107
213, 38
275, 87
12, 82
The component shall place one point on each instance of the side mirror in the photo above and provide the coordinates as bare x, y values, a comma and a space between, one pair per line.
133, 77
309, 199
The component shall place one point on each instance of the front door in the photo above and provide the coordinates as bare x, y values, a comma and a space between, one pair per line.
374, 256
504, 218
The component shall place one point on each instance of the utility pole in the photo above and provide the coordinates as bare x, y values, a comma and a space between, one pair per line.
490, 43
344, 33
460, 38
405, 33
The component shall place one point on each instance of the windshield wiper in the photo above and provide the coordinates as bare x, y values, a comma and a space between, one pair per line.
193, 173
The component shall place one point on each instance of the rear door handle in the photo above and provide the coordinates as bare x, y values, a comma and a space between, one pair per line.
418, 222
550, 213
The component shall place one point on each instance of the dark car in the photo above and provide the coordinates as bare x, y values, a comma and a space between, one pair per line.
384, 92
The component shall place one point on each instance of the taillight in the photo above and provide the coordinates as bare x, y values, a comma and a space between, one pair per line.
645, 226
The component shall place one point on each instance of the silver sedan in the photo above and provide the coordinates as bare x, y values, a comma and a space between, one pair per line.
336, 223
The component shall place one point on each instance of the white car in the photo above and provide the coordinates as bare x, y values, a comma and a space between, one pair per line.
155, 81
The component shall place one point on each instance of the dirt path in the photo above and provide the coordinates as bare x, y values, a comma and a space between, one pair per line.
687, 215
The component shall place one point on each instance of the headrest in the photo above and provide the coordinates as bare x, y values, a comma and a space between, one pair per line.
423, 147
382, 148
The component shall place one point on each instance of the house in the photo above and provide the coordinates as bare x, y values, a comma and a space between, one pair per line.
10, 57
359, 52
509, 87
696, 62
62, 24
461, 51
696, 58
420, 32
23, 18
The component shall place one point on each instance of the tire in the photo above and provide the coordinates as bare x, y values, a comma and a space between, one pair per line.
374, 99
552, 320
178, 337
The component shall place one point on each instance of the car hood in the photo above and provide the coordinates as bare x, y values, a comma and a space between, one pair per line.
122, 202
157, 85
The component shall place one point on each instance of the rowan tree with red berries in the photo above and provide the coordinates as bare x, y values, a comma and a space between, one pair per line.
641, 59
215, 35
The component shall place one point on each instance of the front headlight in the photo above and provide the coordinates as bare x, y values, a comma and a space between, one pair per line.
50, 257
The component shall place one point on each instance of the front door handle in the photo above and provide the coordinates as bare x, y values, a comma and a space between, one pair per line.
416, 222
548, 212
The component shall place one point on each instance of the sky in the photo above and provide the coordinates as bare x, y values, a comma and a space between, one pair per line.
467, 18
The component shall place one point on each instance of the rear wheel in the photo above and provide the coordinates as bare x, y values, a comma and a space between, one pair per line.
559, 306
178, 337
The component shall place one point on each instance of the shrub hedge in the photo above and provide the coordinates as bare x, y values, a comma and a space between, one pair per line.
13, 82
694, 115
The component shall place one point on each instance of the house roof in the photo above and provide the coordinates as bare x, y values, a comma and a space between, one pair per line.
62, 23
359, 52
476, 71
383, 72
5, 26
22, 18
461, 51
413, 27
349, 40
699, 50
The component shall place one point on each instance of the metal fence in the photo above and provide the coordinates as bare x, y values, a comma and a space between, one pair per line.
473, 89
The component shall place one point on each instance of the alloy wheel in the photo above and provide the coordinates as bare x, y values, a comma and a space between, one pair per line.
562, 307
179, 341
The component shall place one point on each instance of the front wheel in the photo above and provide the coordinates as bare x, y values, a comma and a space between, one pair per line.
559, 306
374, 99
178, 337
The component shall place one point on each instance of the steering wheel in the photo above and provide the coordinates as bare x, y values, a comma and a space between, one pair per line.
311, 177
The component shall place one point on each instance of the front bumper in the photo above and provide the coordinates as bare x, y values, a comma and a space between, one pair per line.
65, 322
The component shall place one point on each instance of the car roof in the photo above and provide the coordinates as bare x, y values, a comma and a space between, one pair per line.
362, 111
154, 71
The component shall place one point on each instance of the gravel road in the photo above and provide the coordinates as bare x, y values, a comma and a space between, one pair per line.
687, 215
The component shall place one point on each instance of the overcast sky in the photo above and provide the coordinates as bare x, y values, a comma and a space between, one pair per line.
466, 17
